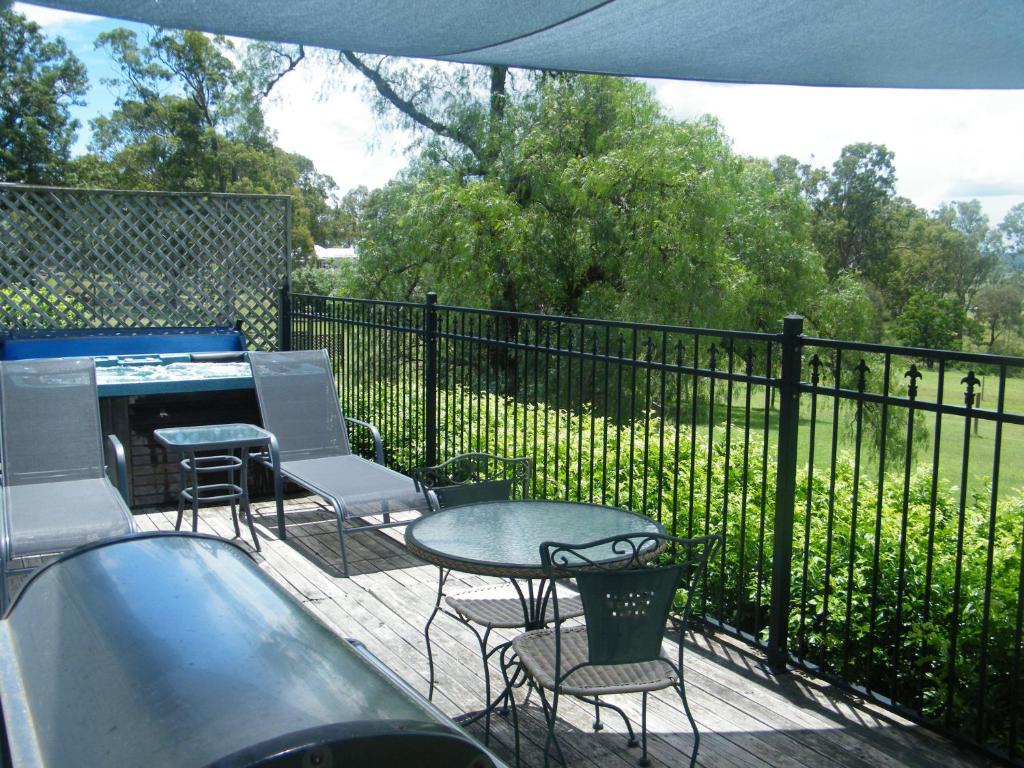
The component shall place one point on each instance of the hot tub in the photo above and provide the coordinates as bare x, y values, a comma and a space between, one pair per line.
127, 375
150, 378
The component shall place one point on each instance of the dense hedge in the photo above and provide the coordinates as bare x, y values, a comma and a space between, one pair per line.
38, 306
845, 612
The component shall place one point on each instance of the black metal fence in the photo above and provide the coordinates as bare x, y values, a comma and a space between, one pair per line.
871, 497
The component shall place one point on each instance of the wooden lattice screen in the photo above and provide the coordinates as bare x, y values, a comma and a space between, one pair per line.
74, 258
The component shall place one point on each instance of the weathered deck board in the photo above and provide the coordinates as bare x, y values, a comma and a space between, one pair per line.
748, 718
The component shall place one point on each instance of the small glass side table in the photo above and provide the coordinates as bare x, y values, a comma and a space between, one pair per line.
234, 442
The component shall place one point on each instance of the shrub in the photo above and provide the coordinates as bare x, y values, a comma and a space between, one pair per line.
38, 306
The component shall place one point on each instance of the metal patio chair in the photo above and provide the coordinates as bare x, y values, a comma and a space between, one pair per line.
467, 479
56, 494
628, 593
473, 477
299, 403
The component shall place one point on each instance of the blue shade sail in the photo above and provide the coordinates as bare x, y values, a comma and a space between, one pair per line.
911, 44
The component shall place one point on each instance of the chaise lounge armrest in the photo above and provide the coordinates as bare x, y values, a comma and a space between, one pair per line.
378, 443
120, 464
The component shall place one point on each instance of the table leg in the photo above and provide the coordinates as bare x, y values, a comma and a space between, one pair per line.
442, 576
534, 602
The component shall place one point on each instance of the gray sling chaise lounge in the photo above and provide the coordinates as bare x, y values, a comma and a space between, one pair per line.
56, 495
299, 404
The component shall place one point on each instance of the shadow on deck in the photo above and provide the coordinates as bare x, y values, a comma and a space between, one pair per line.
746, 716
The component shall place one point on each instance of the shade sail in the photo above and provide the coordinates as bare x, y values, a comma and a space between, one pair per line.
888, 43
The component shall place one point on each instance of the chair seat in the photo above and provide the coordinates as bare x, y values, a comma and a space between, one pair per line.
366, 488
47, 518
499, 606
536, 651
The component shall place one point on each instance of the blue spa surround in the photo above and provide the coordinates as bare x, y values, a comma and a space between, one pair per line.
191, 359
97, 342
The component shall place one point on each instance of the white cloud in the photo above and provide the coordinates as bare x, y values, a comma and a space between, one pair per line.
947, 144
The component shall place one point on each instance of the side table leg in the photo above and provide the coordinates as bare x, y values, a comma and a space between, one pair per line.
195, 492
234, 502
275, 463
244, 485
181, 493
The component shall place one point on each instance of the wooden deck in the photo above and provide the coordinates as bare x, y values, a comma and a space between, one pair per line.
747, 717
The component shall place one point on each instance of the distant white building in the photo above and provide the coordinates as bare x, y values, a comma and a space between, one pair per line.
331, 257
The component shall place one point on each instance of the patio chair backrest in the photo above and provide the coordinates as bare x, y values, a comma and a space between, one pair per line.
50, 421
299, 403
476, 477
628, 585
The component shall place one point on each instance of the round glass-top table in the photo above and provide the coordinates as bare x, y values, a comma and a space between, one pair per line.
503, 538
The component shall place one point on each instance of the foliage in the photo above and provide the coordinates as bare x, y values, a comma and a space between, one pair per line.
43, 307
879, 605
846, 309
892, 248
336, 281
853, 228
41, 81
595, 204
576, 195
930, 320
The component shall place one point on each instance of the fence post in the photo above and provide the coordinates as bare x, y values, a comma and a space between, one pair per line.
785, 491
430, 377
284, 319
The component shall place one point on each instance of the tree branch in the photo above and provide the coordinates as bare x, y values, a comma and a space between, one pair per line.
293, 62
408, 108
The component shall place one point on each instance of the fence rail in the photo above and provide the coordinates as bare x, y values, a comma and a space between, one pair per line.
872, 500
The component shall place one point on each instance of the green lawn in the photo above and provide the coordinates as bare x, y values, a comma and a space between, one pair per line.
980, 446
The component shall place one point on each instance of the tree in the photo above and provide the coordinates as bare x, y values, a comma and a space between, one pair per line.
575, 194
998, 307
948, 253
348, 226
188, 119
975, 256
846, 309
41, 81
853, 229
178, 107
1012, 231
930, 320
927, 254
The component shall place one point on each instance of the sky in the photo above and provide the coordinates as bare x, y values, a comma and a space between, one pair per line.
948, 145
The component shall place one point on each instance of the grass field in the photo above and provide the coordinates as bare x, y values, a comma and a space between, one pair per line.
980, 445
